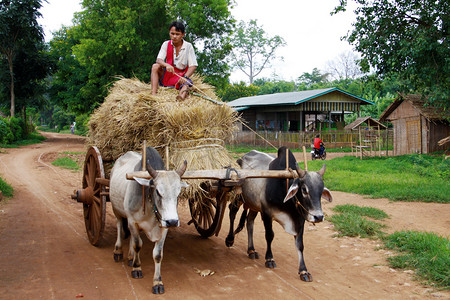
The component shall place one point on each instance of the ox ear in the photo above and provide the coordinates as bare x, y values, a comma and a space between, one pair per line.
326, 194
321, 171
142, 181
292, 191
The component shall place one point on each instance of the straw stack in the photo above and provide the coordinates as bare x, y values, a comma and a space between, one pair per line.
194, 129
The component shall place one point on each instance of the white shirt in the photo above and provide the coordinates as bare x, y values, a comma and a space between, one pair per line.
186, 56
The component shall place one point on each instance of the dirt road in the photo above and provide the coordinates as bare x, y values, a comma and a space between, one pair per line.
45, 253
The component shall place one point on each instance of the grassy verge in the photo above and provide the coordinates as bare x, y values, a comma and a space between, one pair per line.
66, 162
351, 220
422, 178
6, 189
32, 138
427, 253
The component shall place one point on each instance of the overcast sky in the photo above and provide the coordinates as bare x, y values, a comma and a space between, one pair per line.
313, 37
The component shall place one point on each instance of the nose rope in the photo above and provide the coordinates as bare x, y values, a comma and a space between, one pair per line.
308, 213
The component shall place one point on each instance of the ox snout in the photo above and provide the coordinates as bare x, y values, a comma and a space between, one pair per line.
315, 218
170, 223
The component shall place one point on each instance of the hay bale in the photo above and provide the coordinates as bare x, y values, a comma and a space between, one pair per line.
194, 129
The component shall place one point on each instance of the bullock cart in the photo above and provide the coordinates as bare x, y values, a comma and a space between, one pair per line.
207, 215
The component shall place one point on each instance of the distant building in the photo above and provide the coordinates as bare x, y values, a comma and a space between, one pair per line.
298, 111
417, 127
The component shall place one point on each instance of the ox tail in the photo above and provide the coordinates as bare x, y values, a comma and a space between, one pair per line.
241, 221
125, 228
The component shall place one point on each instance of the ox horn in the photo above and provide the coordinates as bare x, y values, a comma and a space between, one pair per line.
322, 171
301, 173
182, 169
151, 171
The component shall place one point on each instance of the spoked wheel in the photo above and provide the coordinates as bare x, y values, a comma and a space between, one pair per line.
324, 156
207, 214
94, 206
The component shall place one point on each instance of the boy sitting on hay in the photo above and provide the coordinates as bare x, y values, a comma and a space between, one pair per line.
175, 63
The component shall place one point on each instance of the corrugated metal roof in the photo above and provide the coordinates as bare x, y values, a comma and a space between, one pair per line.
291, 98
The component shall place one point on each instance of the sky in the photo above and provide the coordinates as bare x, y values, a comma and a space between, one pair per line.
312, 35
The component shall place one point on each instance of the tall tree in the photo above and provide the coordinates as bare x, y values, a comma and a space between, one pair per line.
345, 66
253, 49
407, 39
313, 78
19, 30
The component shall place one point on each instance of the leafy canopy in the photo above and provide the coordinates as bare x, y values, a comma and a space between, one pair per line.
408, 39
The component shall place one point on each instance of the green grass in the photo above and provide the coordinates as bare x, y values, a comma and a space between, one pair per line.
354, 225
427, 253
370, 212
66, 162
32, 138
423, 178
6, 189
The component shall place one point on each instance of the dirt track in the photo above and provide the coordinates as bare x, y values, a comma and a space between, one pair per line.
46, 254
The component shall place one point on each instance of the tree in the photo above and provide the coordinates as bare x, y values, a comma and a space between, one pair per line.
253, 49
314, 78
345, 66
237, 90
19, 32
406, 39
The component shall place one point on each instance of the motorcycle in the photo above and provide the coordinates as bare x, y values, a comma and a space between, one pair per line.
315, 153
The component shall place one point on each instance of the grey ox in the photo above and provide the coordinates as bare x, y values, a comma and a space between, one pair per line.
154, 217
271, 197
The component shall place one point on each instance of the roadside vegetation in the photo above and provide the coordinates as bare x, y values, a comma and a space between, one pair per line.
5, 188
352, 221
68, 160
426, 253
423, 178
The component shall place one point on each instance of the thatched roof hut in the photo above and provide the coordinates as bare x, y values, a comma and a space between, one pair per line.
417, 126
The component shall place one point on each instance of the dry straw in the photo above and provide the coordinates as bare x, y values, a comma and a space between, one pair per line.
194, 129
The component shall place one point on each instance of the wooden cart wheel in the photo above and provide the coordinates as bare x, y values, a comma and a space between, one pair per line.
95, 208
207, 214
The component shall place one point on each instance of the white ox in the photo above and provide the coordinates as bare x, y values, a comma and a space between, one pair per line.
154, 217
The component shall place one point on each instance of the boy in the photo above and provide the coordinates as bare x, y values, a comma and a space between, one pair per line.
175, 63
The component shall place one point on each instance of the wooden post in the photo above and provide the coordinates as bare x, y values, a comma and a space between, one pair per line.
304, 158
360, 142
379, 140
167, 157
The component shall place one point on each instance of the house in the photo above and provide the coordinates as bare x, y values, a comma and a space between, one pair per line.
297, 111
417, 127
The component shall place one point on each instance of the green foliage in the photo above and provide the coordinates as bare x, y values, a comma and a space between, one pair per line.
11, 130
423, 178
406, 39
66, 162
6, 189
427, 253
23, 61
354, 225
237, 90
370, 212
253, 49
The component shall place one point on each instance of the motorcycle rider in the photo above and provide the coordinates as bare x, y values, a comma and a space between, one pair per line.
318, 144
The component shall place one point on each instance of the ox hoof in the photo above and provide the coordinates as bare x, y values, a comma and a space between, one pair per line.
306, 276
253, 254
271, 264
229, 242
118, 257
136, 274
130, 262
158, 289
